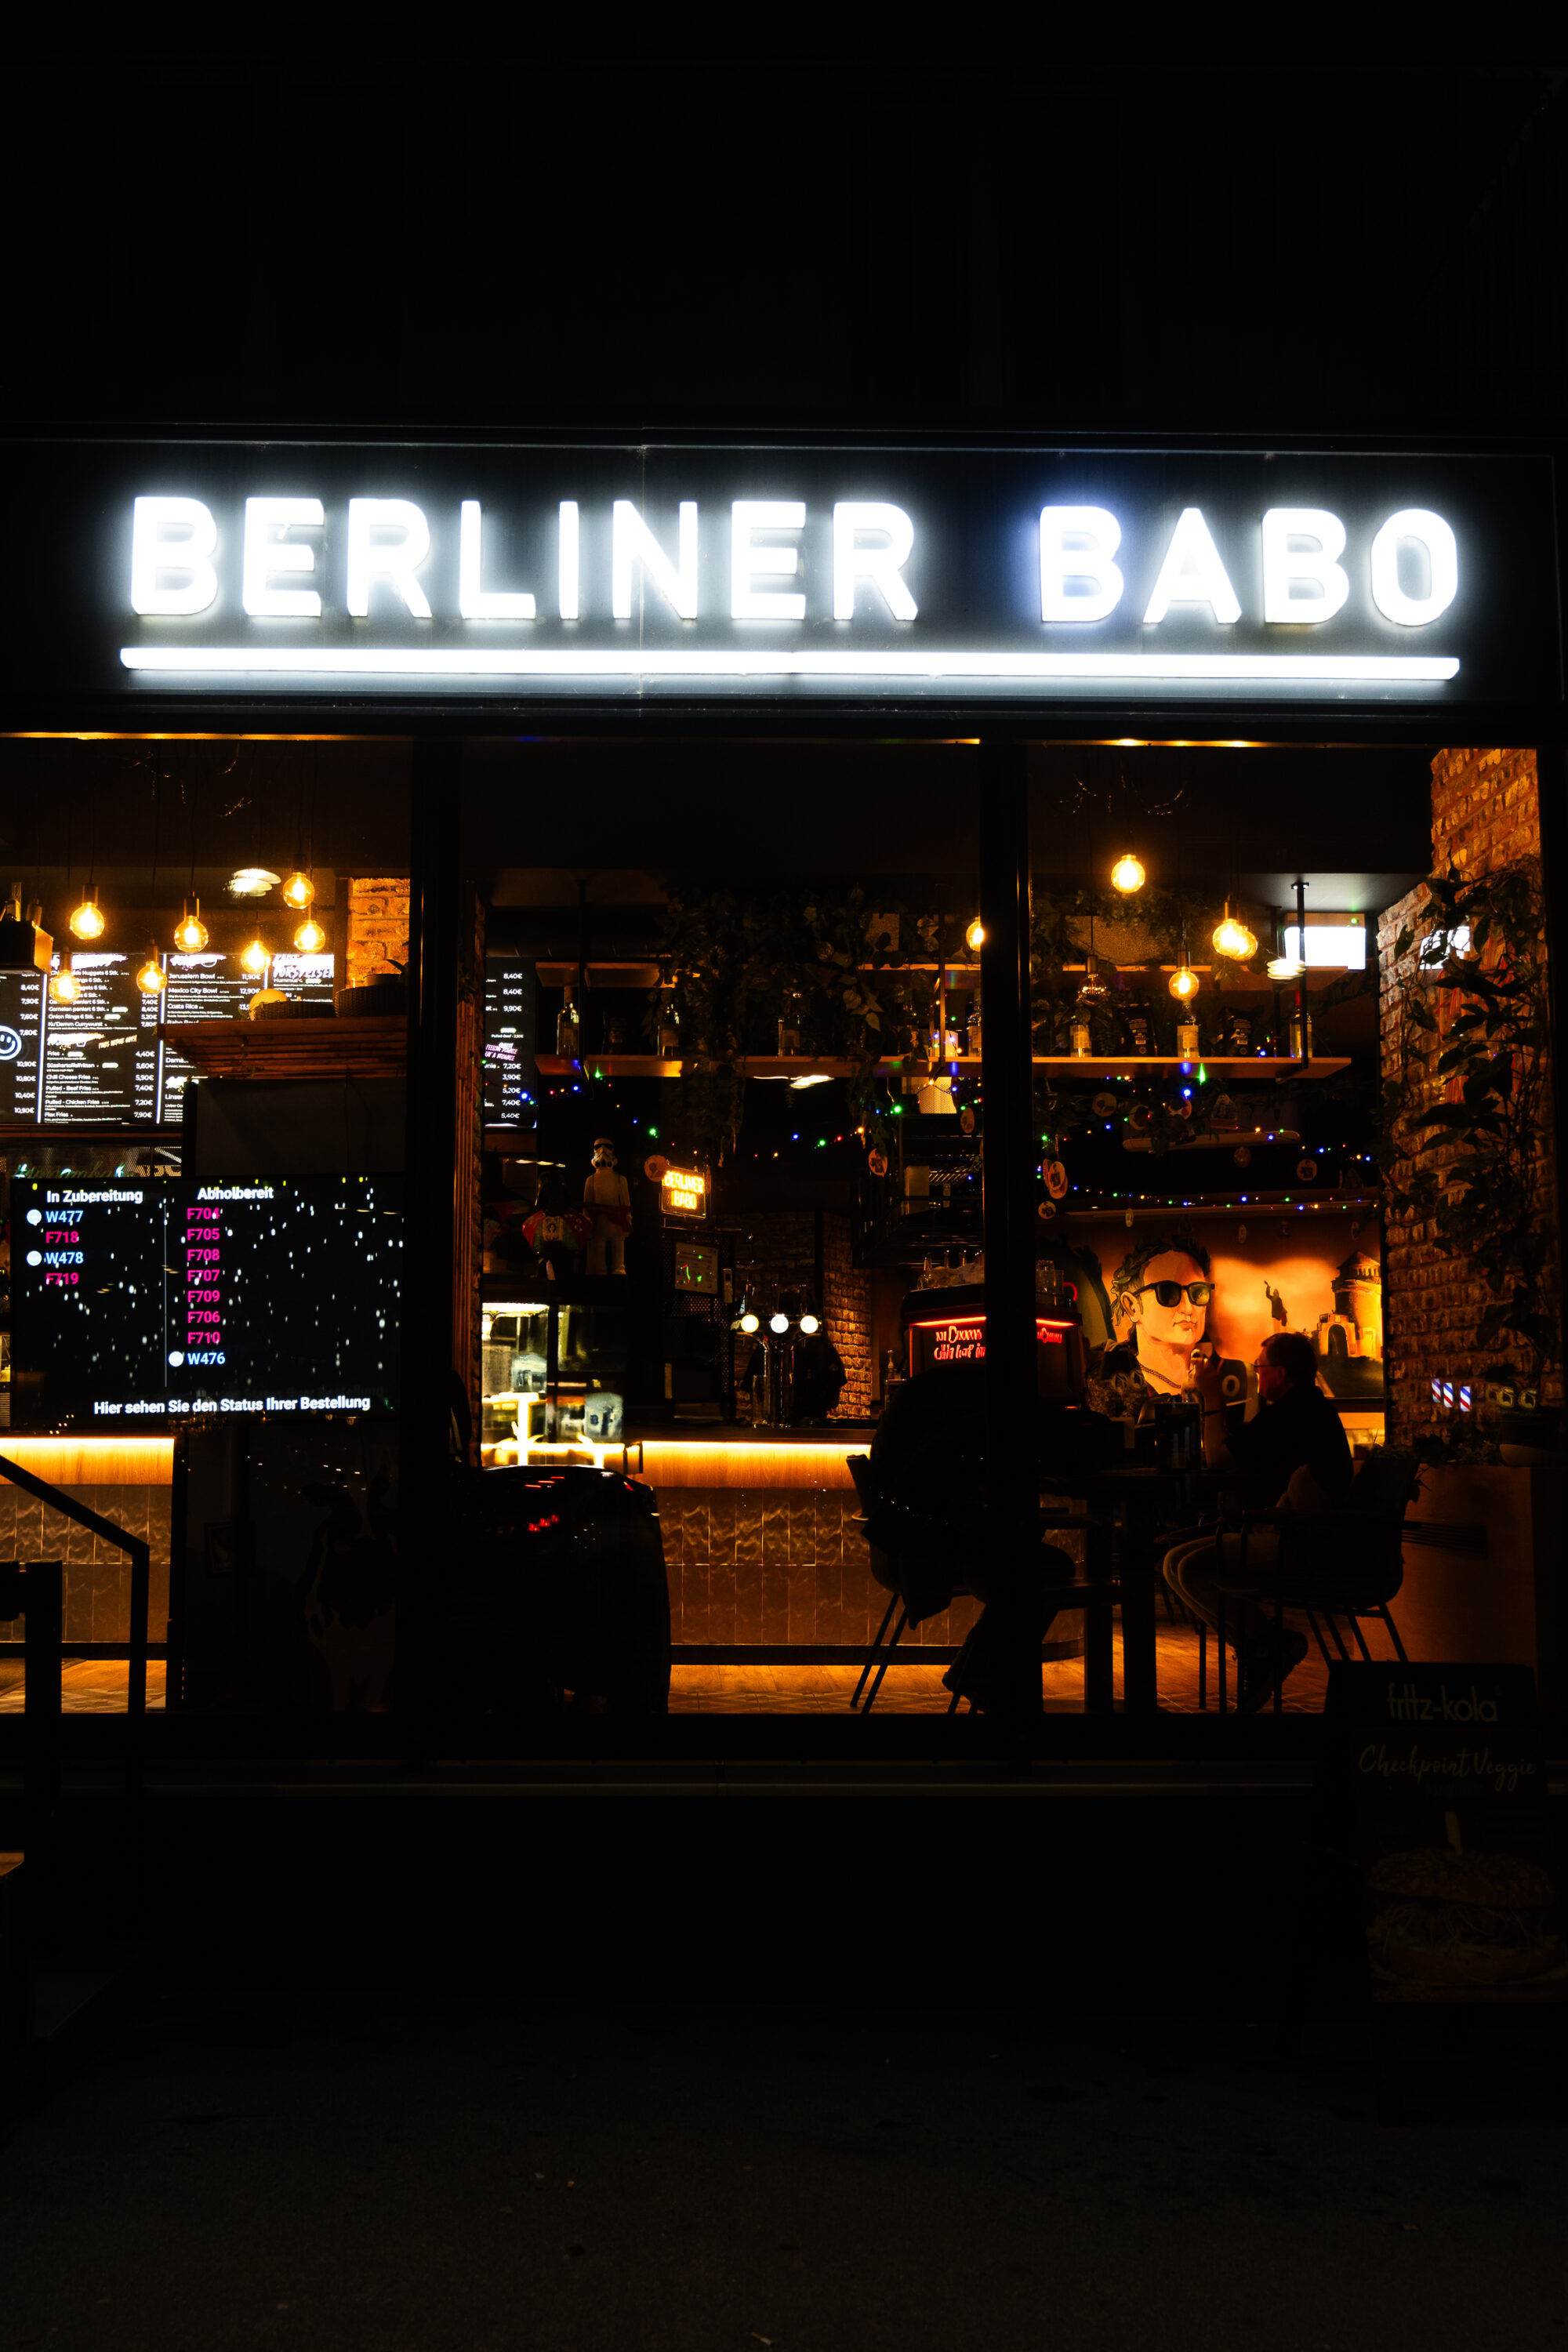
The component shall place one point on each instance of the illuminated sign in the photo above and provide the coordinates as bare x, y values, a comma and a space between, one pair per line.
683, 1192
961, 1339
783, 572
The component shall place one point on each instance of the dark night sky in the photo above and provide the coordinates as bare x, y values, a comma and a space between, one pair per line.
328, 223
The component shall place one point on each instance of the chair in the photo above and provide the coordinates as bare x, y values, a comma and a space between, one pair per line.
919, 1581
904, 1579
1361, 1549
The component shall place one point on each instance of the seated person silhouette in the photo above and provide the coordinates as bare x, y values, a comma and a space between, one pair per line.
1292, 1455
928, 1465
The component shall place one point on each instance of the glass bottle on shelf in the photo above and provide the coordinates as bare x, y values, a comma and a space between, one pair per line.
973, 1030
668, 1034
789, 1024
1187, 1043
1078, 1034
1296, 1053
568, 1029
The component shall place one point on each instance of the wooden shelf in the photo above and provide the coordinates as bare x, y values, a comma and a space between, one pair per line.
1260, 1065
1106, 1066
374, 1047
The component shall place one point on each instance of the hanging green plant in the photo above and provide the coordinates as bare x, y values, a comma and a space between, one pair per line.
1461, 1123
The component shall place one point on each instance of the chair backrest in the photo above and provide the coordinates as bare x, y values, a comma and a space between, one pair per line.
1385, 1483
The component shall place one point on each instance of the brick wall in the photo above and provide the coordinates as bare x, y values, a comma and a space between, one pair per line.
377, 926
847, 1314
1485, 815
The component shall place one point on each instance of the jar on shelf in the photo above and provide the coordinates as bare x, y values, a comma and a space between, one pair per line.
668, 1034
973, 1032
1188, 1044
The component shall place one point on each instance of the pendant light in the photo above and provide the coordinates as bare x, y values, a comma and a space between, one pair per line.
1127, 875
190, 931
1184, 981
88, 921
310, 939
64, 987
1232, 938
298, 891
256, 957
974, 936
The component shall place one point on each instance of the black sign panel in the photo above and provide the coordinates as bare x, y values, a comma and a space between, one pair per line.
227, 571
162, 1300
1447, 1783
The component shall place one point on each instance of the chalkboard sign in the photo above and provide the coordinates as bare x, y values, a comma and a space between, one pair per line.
1459, 1881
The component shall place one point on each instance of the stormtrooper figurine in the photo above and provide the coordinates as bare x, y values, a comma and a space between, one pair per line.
607, 1197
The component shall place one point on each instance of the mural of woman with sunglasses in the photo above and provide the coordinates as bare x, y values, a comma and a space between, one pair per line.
1160, 1298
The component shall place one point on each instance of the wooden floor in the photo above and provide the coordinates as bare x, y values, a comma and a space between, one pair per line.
915, 1688
87, 1685
96, 1687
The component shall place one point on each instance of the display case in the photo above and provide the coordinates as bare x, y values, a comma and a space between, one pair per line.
556, 1375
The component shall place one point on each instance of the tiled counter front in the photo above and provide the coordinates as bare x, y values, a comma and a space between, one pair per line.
97, 1575
779, 1566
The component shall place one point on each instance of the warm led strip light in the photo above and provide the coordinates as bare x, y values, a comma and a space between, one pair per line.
408, 661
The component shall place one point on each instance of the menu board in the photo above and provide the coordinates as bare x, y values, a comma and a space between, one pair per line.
216, 986
101, 1054
1446, 1773
112, 1058
175, 1298
21, 1025
511, 1032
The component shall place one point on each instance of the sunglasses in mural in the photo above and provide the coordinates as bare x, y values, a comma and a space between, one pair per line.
1169, 1293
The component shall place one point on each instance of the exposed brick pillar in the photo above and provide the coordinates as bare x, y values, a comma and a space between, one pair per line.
378, 928
1486, 813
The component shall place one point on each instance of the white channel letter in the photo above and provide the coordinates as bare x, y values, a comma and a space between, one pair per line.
394, 560
631, 542
474, 603
568, 562
1191, 574
175, 535
1078, 543
881, 565
1314, 568
267, 551
1442, 567
749, 561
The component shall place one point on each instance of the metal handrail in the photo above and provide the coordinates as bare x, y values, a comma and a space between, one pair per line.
140, 1553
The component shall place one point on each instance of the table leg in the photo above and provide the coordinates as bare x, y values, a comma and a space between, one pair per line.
1099, 1670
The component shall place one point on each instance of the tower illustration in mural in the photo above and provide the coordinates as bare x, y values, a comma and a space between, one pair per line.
1350, 1340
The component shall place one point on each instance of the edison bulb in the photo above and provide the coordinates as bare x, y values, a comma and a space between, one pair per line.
64, 987
808, 1324
191, 933
299, 890
88, 920
751, 1323
1127, 875
149, 978
1184, 981
255, 958
310, 939
778, 1322
1233, 939
974, 936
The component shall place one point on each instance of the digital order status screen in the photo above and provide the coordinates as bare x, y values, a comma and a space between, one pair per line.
174, 1300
